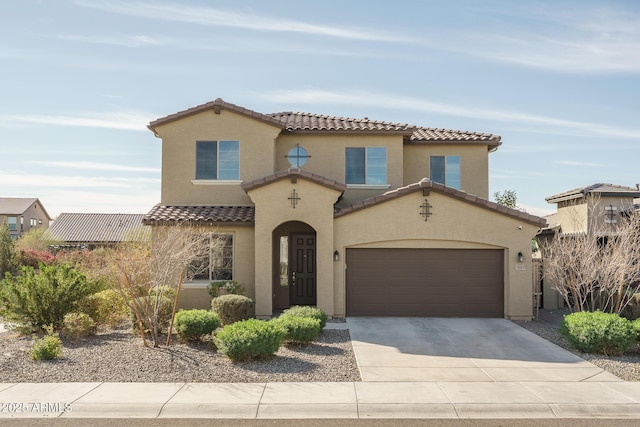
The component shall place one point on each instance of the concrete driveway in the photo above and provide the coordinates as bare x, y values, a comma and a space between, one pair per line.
457, 349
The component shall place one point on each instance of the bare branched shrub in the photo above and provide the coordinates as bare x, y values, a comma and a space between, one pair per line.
597, 268
149, 272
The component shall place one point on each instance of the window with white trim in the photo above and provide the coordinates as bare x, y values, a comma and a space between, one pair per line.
12, 222
218, 160
445, 170
366, 165
217, 265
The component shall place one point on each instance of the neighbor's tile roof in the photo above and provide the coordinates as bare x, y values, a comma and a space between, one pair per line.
161, 214
97, 228
461, 195
599, 188
308, 122
293, 174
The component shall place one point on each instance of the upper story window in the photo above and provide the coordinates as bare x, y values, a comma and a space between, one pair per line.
12, 222
219, 160
445, 170
366, 165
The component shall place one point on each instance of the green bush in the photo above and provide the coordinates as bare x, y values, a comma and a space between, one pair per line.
48, 347
300, 330
193, 325
37, 298
636, 328
106, 307
230, 287
308, 311
233, 308
77, 325
250, 339
598, 332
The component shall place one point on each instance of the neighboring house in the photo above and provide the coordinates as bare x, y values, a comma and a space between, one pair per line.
594, 210
91, 230
22, 214
356, 216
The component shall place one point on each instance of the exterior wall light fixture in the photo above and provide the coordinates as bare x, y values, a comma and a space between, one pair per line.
520, 257
336, 256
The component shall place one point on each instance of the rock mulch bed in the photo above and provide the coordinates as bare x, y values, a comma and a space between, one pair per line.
117, 356
626, 366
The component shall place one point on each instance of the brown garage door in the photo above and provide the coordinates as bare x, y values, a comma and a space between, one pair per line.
425, 282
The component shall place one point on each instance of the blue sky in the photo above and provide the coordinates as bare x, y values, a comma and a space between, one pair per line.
81, 79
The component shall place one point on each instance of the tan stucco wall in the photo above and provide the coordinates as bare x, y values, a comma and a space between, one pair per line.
257, 140
474, 165
195, 295
273, 208
328, 158
454, 224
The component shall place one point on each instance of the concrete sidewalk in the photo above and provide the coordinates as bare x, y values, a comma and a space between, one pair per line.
365, 400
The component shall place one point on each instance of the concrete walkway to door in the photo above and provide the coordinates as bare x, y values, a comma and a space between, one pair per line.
459, 349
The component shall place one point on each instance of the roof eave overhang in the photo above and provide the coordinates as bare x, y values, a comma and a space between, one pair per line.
460, 195
217, 106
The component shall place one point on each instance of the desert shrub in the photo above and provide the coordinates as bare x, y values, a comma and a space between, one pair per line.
636, 328
77, 325
598, 332
37, 298
230, 287
34, 257
233, 308
106, 307
48, 347
632, 310
300, 330
147, 306
192, 325
308, 311
250, 339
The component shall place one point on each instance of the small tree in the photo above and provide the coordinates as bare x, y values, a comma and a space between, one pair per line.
7, 251
146, 271
506, 198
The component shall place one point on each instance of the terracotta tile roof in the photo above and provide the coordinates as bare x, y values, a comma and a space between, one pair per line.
293, 174
161, 214
308, 122
431, 134
461, 195
97, 228
599, 188
317, 122
216, 106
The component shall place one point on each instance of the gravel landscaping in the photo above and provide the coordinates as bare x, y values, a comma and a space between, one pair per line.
117, 356
626, 366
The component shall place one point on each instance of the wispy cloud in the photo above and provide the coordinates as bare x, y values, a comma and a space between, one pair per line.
382, 100
124, 41
585, 40
224, 18
132, 120
579, 164
15, 180
95, 166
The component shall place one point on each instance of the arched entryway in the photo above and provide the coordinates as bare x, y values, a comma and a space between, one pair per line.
294, 265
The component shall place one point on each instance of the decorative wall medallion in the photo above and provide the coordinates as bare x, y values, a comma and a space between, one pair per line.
425, 210
294, 198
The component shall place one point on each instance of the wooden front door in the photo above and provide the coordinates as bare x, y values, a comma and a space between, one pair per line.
302, 275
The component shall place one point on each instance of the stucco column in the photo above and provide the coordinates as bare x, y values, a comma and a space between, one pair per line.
263, 289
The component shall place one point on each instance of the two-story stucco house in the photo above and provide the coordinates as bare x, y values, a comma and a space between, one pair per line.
592, 210
356, 216
21, 214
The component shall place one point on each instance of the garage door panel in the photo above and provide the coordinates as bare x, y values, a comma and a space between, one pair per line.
425, 282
